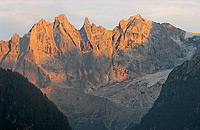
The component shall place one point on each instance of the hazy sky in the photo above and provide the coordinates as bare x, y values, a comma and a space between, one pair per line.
18, 16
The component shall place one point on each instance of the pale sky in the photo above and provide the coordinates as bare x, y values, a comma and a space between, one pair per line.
18, 16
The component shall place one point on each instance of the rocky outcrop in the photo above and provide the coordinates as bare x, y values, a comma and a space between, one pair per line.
66, 36
4, 49
96, 39
131, 32
12, 51
42, 44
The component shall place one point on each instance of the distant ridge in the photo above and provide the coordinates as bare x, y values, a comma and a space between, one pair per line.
196, 32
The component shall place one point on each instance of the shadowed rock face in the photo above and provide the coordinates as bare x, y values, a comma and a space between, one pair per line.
177, 107
57, 54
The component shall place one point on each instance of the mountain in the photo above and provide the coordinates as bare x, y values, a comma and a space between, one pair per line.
177, 107
23, 106
119, 67
124, 52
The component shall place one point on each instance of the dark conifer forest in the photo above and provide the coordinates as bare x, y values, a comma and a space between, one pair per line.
23, 106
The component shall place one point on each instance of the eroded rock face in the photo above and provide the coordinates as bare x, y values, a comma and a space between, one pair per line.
131, 32
57, 54
66, 36
42, 43
96, 39
4, 49
12, 48
94, 56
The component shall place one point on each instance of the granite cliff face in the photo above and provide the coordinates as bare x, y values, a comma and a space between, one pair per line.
100, 56
56, 56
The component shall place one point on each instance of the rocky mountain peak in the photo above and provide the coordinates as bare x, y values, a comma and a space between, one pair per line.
15, 38
86, 22
123, 24
87, 26
173, 31
132, 32
86, 34
62, 22
14, 43
136, 20
61, 19
138, 16
167, 25
95, 38
66, 36
42, 22
42, 44
4, 48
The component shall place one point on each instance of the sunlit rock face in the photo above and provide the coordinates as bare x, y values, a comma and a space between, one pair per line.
96, 39
131, 32
141, 46
42, 44
66, 36
4, 48
10, 52
57, 55
92, 56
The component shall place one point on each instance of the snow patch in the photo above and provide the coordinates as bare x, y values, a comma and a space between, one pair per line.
189, 48
151, 79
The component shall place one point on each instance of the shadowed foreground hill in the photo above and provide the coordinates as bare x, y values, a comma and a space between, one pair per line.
23, 106
178, 106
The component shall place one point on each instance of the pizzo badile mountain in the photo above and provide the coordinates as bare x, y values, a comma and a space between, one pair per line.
100, 79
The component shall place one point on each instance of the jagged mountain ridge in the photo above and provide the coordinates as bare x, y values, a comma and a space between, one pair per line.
58, 55
46, 40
